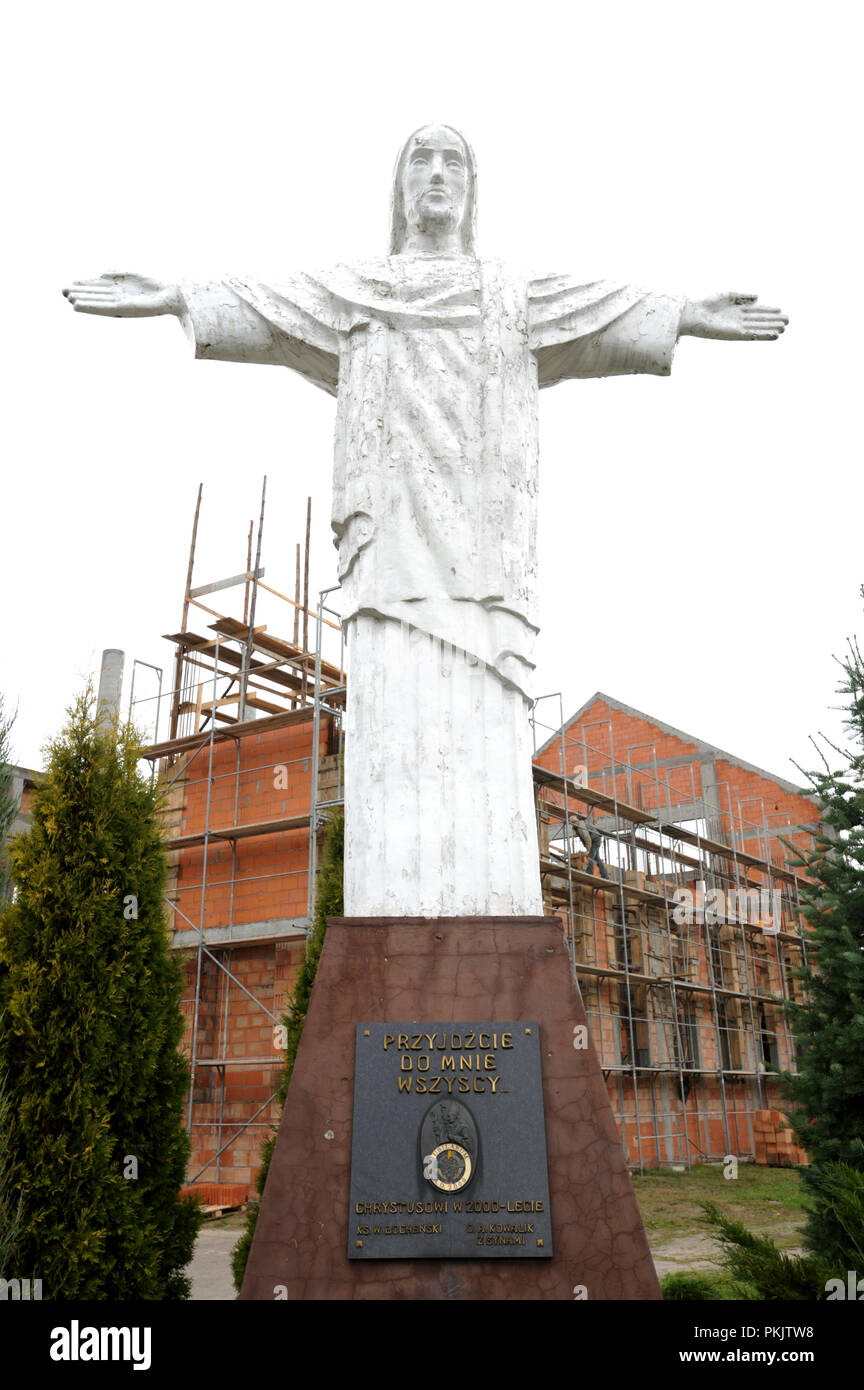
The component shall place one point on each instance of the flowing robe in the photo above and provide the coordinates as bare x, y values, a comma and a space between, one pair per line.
436, 363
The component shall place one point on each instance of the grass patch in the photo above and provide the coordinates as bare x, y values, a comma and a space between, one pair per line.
767, 1200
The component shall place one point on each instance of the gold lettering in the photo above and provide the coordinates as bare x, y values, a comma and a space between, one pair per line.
469, 1040
506, 1039
463, 1085
404, 1083
420, 1061
465, 1063
406, 1063
448, 1064
484, 1044
430, 1038
420, 1085
479, 1085
456, 1041
434, 1085
402, 1040
388, 1039
493, 1082
415, 1041
489, 1062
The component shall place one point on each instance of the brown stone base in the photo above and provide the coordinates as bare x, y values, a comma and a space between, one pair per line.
456, 970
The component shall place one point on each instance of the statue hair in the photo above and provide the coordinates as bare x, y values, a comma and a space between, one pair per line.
398, 221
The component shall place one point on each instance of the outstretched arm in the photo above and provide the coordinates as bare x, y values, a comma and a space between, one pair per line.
124, 296
227, 321
737, 317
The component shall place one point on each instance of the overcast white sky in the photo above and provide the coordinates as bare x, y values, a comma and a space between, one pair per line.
701, 536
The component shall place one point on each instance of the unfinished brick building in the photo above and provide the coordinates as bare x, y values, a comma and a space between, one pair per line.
663, 855
685, 951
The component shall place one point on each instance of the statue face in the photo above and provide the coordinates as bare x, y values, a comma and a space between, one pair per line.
435, 181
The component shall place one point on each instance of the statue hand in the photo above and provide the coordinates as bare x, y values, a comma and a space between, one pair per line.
738, 317
123, 296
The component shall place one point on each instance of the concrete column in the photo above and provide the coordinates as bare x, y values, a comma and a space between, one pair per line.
110, 688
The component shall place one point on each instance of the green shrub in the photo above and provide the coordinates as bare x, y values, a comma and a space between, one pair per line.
90, 1032
762, 1271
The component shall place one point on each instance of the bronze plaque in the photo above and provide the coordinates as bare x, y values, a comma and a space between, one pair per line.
448, 1150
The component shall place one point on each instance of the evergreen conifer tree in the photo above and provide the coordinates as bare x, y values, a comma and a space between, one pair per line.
9, 1209
826, 1094
828, 1089
8, 802
90, 1030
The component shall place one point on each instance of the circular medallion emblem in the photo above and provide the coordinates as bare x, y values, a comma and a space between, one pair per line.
450, 1168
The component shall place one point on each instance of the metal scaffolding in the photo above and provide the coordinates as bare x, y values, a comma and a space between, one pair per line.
685, 945
233, 684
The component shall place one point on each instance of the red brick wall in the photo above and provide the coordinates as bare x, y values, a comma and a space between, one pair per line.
270, 878
627, 733
268, 972
270, 881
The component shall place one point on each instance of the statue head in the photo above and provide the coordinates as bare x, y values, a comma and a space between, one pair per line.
434, 188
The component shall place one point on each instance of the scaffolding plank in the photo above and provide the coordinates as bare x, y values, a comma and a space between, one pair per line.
725, 851
276, 1059
194, 644
544, 778
605, 885
232, 658
189, 742
240, 832
192, 641
602, 972
274, 645
254, 700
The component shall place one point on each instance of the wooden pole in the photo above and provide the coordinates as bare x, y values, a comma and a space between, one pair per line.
306, 594
178, 660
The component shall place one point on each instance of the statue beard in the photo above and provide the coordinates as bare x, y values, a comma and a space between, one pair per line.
432, 220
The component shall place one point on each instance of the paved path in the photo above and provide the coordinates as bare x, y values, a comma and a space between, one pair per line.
210, 1269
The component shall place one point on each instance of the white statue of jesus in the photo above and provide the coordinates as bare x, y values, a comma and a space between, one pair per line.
435, 358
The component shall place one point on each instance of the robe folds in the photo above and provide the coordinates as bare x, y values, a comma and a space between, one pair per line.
436, 363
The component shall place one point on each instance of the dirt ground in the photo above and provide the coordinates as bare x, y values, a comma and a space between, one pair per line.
769, 1201
700, 1252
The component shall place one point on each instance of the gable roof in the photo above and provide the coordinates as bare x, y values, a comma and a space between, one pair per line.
707, 749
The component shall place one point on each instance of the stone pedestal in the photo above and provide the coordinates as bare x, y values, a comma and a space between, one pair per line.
454, 969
